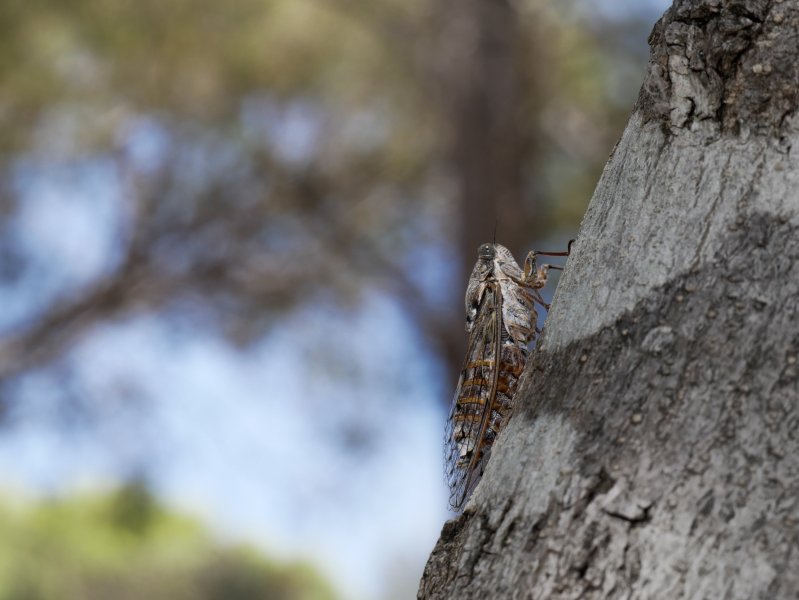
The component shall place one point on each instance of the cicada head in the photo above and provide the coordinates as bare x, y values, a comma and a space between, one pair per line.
485, 263
486, 252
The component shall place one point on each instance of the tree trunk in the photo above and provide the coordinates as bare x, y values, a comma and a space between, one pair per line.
472, 63
481, 90
653, 448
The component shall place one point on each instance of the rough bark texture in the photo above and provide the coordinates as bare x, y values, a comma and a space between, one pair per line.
654, 448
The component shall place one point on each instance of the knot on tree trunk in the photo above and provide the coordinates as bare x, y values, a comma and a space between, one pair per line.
724, 67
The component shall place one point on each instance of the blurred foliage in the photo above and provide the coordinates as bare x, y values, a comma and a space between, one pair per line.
268, 152
125, 545
100, 64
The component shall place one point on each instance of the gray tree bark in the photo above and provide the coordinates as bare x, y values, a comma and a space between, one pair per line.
653, 451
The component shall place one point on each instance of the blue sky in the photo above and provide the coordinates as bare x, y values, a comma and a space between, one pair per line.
250, 441
322, 441
622, 9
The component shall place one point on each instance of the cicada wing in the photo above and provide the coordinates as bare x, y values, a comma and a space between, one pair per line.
474, 397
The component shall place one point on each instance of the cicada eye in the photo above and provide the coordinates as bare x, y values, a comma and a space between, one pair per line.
486, 252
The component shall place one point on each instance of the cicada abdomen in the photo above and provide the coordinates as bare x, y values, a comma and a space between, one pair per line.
501, 320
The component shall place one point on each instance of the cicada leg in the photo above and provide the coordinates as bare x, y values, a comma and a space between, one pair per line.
537, 277
530, 268
533, 295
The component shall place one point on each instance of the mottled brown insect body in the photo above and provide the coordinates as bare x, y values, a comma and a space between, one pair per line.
500, 314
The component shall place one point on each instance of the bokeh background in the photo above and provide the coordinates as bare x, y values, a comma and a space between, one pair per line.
234, 239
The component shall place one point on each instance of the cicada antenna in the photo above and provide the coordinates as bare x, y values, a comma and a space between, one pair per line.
496, 222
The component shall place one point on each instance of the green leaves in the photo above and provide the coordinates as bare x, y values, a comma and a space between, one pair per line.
126, 545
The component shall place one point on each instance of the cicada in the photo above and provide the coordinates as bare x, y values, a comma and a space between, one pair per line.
501, 321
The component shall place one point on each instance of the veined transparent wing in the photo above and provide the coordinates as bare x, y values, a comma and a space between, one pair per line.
474, 398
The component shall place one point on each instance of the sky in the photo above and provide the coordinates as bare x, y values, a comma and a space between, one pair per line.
251, 442
622, 9
323, 441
